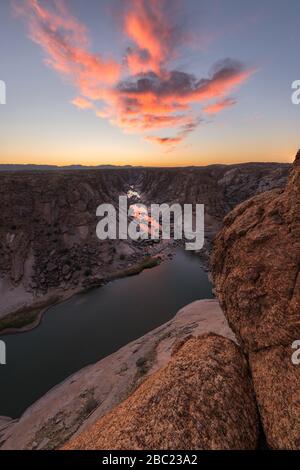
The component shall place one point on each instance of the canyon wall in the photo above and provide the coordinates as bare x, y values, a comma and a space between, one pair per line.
48, 243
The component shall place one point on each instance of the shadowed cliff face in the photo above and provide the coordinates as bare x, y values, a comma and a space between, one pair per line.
48, 242
51, 215
47, 236
219, 187
255, 267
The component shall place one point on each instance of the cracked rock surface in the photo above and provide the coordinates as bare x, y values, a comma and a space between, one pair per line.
203, 399
255, 268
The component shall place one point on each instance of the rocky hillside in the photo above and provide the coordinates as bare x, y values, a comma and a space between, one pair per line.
48, 244
255, 267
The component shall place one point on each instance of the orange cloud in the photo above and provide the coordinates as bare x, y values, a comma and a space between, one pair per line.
152, 121
154, 35
175, 92
217, 107
65, 42
82, 103
167, 141
145, 94
180, 88
190, 125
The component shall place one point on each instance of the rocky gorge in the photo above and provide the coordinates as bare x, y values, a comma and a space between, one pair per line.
199, 400
48, 244
219, 375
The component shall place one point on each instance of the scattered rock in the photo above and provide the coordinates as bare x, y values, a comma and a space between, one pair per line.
66, 269
43, 443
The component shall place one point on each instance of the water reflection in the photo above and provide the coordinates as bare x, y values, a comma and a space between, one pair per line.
91, 326
133, 194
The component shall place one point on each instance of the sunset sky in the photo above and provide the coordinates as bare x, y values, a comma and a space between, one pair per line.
149, 82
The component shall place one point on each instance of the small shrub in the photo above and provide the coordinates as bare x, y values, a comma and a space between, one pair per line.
90, 406
141, 364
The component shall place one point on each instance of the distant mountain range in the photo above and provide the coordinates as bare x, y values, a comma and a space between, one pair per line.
31, 167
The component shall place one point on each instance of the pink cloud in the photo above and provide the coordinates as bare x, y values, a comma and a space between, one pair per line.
189, 126
144, 92
217, 107
65, 41
167, 141
82, 103
154, 33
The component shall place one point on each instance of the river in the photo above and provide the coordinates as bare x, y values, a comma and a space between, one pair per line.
90, 326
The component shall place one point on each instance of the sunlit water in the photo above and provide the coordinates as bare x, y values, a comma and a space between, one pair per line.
91, 326
146, 224
133, 194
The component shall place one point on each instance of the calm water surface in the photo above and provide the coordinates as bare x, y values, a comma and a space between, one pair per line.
90, 326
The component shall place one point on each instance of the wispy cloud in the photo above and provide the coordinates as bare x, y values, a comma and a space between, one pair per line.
66, 44
218, 106
144, 92
184, 131
82, 103
155, 35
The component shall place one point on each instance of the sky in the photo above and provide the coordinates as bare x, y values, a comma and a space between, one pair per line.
148, 82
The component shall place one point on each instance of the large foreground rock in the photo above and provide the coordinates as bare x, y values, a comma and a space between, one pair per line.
202, 399
277, 387
255, 267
